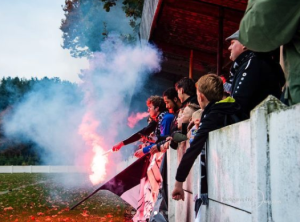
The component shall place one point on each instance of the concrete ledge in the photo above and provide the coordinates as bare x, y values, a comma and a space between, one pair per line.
228, 159
253, 167
284, 129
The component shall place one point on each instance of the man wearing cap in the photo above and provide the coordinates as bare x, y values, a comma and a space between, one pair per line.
268, 24
253, 76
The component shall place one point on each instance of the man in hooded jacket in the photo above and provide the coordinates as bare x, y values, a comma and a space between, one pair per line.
217, 114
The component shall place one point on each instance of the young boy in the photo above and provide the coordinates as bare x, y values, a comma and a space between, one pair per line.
160, 123
209, 92
182, 124
186, 115
196, 118
164, 121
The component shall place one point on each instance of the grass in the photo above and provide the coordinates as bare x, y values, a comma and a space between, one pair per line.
48, 197
11, 181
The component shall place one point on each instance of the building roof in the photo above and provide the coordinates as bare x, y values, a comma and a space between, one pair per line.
178, 26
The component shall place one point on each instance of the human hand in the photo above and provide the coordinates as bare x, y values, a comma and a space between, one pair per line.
178, 193
139, 153
153, 149
165, 146
145, 138
169, 138
118, 146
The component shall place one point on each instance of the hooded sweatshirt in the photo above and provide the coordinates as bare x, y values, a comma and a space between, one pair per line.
215, 116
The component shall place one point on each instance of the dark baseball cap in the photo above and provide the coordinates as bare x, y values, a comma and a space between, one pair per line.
234, 36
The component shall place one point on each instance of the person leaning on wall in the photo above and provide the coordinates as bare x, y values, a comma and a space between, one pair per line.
215, 111
253, 75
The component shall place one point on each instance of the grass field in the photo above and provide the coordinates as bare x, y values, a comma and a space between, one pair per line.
47, 197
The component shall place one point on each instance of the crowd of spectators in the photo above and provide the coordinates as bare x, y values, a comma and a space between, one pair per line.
187, 112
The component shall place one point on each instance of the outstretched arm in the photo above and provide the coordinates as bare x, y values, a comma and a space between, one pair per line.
135, 137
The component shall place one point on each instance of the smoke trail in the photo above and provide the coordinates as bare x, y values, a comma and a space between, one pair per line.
51, 115
134, 118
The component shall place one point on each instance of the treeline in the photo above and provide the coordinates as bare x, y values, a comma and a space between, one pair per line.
12, 92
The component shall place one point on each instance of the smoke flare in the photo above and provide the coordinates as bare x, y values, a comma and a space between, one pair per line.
88, 131
76, 125
134, 118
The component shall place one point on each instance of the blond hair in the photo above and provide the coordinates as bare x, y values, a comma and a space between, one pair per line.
194, 107
211, 86
197, 114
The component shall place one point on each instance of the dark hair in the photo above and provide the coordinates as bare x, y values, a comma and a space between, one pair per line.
157, 101
188, 86
171, 93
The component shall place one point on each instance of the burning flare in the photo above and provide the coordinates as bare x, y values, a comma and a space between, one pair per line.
134, 118
88, 131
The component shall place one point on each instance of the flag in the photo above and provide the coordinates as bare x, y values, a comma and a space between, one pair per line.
127, 183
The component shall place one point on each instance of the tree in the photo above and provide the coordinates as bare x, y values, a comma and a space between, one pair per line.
132, 8
14, 91
86, 24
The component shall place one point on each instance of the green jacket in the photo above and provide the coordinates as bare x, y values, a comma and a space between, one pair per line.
268, 24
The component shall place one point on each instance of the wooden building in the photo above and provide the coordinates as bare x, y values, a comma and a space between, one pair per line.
191, 34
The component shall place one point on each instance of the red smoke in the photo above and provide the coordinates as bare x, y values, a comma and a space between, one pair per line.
135, 117
88, 131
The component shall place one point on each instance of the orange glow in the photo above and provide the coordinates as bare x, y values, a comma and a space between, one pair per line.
134, 118
88, 131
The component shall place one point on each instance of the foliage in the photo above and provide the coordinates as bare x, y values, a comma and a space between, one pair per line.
12, 92
45, 197
19, 154
84, 29
132, 8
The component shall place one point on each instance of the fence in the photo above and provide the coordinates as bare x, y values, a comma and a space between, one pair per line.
44, 169
253, 168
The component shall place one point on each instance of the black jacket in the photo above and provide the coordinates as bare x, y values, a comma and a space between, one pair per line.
191, 99
254, 77
145, 131
214, 116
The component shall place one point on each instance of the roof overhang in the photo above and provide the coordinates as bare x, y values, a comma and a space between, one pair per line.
177, 27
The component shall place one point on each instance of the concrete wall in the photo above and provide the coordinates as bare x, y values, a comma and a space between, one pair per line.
284, 128
253, 168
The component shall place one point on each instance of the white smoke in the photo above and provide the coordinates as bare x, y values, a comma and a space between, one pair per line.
50, 116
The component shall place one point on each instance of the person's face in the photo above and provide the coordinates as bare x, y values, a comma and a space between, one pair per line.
184, 117
235, 48
196, 121
200, 99
170, 105
153, 112
180, 94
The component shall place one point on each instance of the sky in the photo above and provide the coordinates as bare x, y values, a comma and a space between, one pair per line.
57, 118
30, 41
